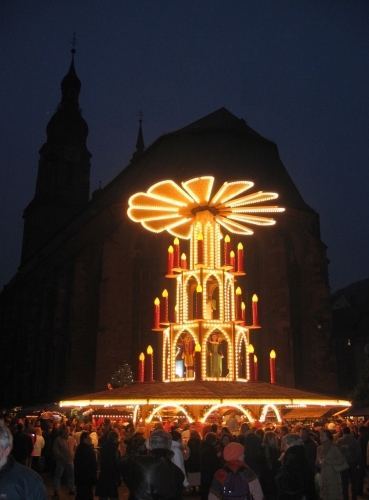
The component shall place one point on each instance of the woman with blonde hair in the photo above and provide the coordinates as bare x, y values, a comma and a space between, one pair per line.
37, 448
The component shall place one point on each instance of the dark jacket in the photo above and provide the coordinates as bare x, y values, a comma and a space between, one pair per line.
253, 451
85, 466
22, 446
193, 463
210, 463
153, 476
296, 477
269, 466
109, 478
18, 482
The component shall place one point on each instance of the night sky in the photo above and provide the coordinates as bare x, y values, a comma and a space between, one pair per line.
296, 71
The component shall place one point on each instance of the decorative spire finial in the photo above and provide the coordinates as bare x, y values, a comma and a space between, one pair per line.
140, 146
140, 114
74, 43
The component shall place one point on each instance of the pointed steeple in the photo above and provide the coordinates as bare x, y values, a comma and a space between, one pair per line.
140, 145
63, 180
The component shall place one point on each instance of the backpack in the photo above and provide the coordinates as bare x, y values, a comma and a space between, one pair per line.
236, 486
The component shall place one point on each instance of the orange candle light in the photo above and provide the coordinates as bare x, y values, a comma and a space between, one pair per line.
256, 369
156, 312
240, 258
197, 362
255, 314
243, 312
231, 260
176, 252
149, 372
164, 307
238, 303
170, 260
183, 261
200, 248
272, 366
227, 249
250, 350
141, 367
176, 314
199, 302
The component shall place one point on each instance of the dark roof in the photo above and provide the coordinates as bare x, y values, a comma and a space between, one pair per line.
221, 145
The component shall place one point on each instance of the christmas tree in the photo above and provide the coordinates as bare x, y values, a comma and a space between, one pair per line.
123, 376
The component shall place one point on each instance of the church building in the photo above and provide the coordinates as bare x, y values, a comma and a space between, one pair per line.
82, 301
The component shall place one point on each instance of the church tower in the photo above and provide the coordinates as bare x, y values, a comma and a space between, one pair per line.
63, 180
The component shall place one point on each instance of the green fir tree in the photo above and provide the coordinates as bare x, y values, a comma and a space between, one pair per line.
123, 376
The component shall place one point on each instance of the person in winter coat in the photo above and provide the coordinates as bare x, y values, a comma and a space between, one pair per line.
363, 440
37, 448
85, 468
295, 478
350, 449
109, 478
210, 463
178, 450
193, 463
269, 465
252, 444
234, 455
331, 463
17, 482
64, 448
153, 475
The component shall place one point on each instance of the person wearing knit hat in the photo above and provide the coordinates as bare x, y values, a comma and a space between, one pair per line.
233, 455
233, 451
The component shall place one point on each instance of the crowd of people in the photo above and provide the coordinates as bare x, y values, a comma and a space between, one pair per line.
276, 462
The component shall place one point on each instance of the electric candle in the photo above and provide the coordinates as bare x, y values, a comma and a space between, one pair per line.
199, 302
156, 312
255, 315
256, 369
170, 260
200, 248
243, 311
149, 372
197, 362
240, 258
272, 366
183, 261
250, 351
238, 303
164, 307
227, 249
141, 367
231, 260
176, 314
176, 252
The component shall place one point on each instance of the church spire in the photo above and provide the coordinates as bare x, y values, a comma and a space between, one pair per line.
63, 180
140, 145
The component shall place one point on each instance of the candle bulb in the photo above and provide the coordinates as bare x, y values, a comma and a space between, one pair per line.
183, 261
141, 367
256, 370
176, 318
199, 302
176, 252
238, 303
227, 249
243, 312
255, 315
197, 362
200, 248
164, 307
149, 372
156, 312
170, 260
250, 350
272, 366
240, 258
231, 260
